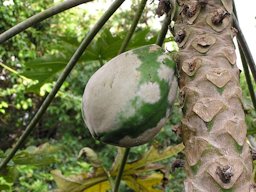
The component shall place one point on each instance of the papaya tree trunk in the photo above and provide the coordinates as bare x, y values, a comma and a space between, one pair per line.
213, 128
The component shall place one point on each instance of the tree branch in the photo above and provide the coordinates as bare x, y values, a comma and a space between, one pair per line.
40, 17
89, 37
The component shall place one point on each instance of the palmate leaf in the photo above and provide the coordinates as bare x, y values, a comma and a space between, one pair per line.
100, 187
141, 175
105, 47
77, 183
153, 156
145, 183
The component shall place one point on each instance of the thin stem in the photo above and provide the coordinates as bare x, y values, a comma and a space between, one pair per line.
133, 26
245, 48
245, 67
40, 17
121, 169
164, 29
89, 37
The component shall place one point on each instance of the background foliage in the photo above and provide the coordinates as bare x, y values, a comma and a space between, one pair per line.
29, 65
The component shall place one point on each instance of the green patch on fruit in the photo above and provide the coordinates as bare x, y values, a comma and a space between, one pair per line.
145, 118
140, 115
150, 63
146, 115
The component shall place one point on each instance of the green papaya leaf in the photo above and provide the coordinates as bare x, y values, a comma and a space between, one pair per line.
140, 174
141, 38
105, 47
153, 155
100, 187
76, 183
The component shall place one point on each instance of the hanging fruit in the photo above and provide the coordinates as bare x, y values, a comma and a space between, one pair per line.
128, 100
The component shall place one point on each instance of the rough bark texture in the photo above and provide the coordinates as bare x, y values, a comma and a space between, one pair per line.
213, 128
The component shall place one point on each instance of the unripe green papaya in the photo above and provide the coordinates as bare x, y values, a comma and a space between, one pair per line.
128, 100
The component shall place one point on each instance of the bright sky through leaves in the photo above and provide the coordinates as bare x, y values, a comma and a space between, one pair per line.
246, 16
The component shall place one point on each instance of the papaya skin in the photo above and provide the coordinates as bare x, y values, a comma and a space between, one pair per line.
128, 100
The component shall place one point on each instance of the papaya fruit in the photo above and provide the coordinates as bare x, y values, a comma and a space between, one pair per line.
128, 100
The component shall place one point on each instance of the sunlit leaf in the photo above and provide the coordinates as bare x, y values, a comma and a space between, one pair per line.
140, 175
76, 183
149, 183
154, 155
65, 183
100, 187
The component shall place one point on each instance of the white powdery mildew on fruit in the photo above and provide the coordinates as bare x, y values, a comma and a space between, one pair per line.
129, 111
131, 108
109, 91
154, 48
165, 72
149, 92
